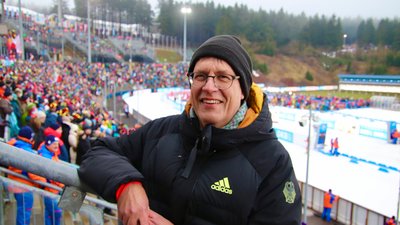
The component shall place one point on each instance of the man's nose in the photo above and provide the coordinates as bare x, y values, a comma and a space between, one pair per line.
210, 81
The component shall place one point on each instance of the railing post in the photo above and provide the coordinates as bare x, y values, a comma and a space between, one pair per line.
1, 204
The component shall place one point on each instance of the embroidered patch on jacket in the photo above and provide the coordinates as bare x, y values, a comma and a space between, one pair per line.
289, 192
222, 186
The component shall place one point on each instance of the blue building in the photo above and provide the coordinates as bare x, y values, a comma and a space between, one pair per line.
370, 83
387, 88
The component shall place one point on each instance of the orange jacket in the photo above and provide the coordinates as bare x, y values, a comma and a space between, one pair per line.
45, 152
28, 175
390, 221
61, 185
336, 143
329, 199
31, 176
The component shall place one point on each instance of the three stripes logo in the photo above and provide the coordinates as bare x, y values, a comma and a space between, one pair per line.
222, 186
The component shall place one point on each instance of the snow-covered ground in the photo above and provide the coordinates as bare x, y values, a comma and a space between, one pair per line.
368, 171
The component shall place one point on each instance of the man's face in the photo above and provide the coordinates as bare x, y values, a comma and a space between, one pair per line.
53, 147
212, 105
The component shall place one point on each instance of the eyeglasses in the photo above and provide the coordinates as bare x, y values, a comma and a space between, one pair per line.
221, 81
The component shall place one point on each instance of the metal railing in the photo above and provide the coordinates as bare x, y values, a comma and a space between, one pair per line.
73, 199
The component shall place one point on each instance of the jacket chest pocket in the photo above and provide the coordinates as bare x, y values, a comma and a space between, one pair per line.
163, 160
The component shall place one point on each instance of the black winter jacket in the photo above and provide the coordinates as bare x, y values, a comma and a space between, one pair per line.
209, 176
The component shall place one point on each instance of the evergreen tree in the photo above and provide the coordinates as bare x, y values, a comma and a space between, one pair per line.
366, 34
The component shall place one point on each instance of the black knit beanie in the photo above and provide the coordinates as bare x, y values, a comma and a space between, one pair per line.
230, 49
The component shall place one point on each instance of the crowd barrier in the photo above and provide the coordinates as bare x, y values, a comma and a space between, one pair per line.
343, 211
76, 205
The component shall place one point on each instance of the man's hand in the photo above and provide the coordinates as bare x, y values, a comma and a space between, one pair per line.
157, 219
133, 205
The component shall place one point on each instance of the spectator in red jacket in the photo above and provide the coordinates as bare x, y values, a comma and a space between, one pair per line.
390, 221
329, 199
395, 136
336, 147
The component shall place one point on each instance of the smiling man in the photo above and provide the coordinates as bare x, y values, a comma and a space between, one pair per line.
215, 93
219, 162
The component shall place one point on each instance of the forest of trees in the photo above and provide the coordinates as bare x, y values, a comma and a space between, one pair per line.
275, 29
268, 31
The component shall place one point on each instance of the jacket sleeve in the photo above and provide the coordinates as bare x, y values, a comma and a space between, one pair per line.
278, 201
112, 162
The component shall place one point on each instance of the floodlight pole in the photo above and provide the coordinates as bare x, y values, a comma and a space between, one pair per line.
61, 29
308, 163
398, 207
21, 31
89, 53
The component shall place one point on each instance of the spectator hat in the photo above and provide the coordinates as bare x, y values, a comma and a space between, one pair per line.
26, 132
50, 139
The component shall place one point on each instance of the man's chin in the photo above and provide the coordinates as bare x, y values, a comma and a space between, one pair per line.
208, 120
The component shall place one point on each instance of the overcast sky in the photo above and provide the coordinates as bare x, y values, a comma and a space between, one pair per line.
342, 8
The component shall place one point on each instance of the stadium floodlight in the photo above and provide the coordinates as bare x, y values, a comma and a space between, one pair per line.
21, 31
185, 10
89, 53
61, 29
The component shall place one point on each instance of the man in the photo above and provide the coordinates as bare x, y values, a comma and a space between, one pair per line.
391, 221
5, 110
329, 199
84, 141
219, 162
52, 213
23, 196
395, 136
335, 147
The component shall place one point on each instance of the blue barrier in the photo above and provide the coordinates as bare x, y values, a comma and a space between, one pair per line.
363, 160
382, 165
383, 170
284, 135
393, 168
354, 160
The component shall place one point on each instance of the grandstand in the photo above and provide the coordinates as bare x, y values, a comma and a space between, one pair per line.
386, 87
110, 41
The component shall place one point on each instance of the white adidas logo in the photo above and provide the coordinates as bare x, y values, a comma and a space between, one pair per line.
222, 186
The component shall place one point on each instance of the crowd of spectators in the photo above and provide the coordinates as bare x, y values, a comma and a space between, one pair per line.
321, 103
64, 99
46, 33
